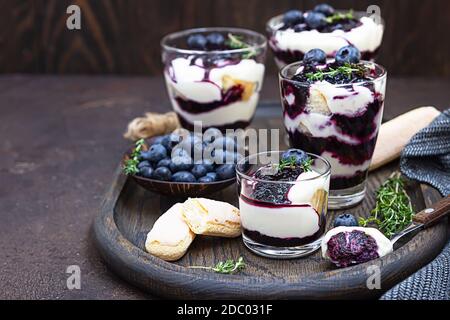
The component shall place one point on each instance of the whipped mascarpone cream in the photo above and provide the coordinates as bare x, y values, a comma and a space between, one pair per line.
366, 37
188, 79
295, 220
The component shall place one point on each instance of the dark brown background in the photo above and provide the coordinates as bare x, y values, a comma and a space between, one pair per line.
120, 36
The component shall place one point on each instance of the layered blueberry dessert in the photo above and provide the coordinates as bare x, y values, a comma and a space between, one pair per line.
284, 204
333, 108
214, 76
346, 246
294, 33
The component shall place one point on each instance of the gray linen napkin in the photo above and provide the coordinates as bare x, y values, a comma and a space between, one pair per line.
426, 158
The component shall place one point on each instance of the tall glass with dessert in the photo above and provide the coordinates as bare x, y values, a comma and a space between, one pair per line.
333, 108
294, 33
283, 202
214, 75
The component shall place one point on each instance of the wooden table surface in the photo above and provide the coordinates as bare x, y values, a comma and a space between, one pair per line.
61, 139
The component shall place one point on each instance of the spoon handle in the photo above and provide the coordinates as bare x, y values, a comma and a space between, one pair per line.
430, 215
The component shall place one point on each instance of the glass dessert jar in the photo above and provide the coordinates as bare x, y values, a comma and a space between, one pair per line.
283, 207
214, 75
337, 116
291, 37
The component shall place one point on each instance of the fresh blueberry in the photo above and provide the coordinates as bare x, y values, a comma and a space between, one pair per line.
292, 17
346, 220
178, 151
183, 176
299, 155
212, 175
162, 173
170, 140
156, 153
226, 171
206, 179
207, 163
199, 170
300, 27
164, 163
181, 164
144, 155
143, 164
315, 56
315, 20
226, 143
348, 54
324, 8
215, 41
211, 134
197, 42
146, 172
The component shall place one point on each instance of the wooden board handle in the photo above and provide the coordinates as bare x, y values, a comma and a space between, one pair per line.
430, 215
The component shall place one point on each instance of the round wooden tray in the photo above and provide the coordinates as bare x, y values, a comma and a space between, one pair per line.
129, 211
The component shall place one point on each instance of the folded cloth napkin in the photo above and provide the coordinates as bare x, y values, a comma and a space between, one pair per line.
432, 282
426, 158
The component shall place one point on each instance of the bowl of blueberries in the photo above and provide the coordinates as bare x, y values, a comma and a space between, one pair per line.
184, 163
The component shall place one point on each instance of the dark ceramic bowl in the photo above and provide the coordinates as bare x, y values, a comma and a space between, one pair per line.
180, 189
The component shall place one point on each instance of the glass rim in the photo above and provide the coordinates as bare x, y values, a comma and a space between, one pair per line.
178, 34
312, 155
270, 23
307, 84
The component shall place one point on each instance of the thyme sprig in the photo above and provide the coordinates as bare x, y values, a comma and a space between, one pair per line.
338, 16
236, 42
346, 70
225, 267
291, 163
393, 211
130, 166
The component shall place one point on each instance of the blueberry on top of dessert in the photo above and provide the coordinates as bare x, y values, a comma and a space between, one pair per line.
346, 246
345, 68
322, 18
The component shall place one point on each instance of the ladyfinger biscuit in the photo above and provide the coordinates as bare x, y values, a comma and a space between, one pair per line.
170, 236
212, 218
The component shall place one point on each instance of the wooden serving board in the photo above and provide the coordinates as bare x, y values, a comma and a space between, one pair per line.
129, 211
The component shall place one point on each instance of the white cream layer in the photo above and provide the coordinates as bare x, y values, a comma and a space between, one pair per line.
287, 221
186, 80
366, 37
279, 222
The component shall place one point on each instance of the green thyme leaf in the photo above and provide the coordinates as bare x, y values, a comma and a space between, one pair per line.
393, 211
130, 165
338, 16
346, 70
226, 267
236, 42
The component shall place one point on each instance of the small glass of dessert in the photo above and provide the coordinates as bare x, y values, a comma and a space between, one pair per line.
334, 108
283, 202
294, 33
214, 75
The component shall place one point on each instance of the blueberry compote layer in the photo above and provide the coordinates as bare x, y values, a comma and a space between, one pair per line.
355, 247
270, 218
337, 117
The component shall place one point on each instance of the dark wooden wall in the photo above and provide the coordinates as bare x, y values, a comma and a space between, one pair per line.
122, 36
